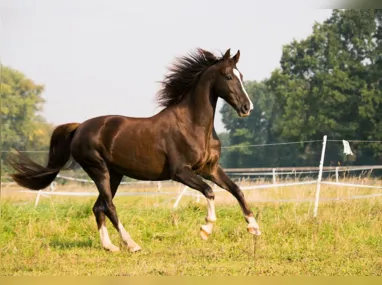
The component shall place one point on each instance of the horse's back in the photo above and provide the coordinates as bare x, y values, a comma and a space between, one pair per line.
128, 144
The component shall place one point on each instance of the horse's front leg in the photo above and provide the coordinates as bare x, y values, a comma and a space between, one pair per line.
186, 176
219, 177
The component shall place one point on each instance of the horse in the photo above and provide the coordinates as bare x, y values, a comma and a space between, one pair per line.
178, 143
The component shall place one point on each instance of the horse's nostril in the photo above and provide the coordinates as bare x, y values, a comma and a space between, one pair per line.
246, 108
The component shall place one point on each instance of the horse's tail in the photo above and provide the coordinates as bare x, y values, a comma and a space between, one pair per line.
34, 176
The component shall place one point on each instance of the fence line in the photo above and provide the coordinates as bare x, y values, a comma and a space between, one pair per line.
228, 146
91, 181
355, 197
320, 170
303, 168
237, 172
242, 145
319, 181
197, 195
269, 144
194, 193
265, 186
257, 171
356, 141
351, 185
84, 194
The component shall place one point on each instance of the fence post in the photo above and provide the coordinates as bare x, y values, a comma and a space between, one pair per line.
319, 178
198, 197
159, 186
274, 175
180, 197
337, 174
37, 198
52, 186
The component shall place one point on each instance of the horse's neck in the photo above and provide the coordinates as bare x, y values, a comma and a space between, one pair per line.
201, 106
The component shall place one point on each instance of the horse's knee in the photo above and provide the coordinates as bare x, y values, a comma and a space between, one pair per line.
208, 193
98, 208
110, 207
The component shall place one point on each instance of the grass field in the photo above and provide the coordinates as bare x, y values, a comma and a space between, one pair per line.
59, 236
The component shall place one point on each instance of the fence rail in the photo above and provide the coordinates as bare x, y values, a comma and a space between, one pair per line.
303, 168
275, 171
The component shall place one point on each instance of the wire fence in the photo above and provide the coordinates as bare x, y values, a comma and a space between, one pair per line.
240, 173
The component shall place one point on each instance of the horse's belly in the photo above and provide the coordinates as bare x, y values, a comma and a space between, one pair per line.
142, 165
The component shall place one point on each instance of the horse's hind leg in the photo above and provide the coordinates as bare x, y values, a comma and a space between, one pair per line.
105, 206
99, 213
107, 183
115, 180
99, 210
99, 173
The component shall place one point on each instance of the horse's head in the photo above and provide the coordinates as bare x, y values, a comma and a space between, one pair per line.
228, 84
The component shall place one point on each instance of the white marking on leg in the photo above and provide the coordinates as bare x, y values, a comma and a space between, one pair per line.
206, 230
131, 244
105, 239
237, 73
253, 227
211, 216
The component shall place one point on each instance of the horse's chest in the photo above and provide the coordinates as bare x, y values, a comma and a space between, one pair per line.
206, 159
204, 154
203, 159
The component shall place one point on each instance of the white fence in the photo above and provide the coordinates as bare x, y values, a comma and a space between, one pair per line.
274, 172
318, 181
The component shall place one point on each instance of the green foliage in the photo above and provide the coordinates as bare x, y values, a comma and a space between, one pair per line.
22, 127
327, 84
253, 130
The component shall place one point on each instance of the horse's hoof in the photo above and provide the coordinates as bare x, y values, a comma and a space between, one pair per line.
205, 231
203, 234
112, 248
135, 248
253, 230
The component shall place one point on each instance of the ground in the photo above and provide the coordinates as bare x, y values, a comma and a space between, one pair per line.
59, 236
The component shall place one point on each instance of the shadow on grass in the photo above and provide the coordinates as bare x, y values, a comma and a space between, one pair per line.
61, 243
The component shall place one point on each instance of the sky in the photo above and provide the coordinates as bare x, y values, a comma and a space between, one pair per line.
106, 57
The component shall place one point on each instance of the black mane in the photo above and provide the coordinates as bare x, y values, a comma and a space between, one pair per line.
183, 75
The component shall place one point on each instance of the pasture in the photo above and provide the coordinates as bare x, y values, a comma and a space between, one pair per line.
60, 237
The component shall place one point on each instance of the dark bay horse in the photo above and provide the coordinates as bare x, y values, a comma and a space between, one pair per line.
178, 143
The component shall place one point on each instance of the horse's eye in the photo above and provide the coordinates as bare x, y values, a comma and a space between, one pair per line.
229, 77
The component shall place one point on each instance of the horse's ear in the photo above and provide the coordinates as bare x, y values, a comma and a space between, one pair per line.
227, 54
236, 57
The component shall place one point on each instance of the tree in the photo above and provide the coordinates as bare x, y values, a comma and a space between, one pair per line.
325, 85
22, 127
328, 84
224, 140
254, 130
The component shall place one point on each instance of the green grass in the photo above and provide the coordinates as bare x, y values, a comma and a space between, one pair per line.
59, 237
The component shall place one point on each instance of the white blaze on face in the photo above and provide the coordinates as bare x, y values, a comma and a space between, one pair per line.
237, 74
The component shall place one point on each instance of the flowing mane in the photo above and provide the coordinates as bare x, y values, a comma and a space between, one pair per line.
183, 74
